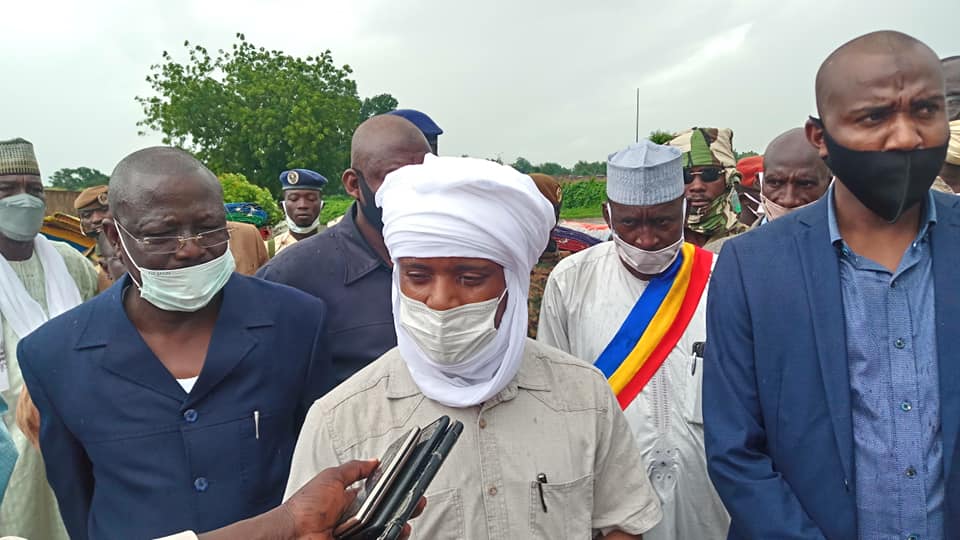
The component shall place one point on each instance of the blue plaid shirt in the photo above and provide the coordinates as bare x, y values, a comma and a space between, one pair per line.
894, 388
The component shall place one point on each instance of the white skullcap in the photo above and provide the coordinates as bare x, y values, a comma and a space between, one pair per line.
644, 174
464, 207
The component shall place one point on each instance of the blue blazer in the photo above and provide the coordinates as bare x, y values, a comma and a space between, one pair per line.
130, 455
776, 390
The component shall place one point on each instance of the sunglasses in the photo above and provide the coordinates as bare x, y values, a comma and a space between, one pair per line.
707, 174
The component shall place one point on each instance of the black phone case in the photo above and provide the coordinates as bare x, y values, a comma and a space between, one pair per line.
398, 492
437, 457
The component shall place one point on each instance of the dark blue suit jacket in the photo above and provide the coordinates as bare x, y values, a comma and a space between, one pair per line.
776, 390
130, 455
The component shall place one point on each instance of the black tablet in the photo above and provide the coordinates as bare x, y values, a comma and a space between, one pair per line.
391, 504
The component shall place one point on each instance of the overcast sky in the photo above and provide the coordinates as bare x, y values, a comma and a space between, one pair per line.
547, 80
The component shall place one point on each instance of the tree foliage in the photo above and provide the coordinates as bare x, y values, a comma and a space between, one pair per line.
78, 179
236, 188
257, 111
661, 136
379, 104
589, 168
741, 155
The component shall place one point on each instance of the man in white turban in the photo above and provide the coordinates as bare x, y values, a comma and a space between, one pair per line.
546, 451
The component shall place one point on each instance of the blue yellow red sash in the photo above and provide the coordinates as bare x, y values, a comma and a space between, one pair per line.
655, 324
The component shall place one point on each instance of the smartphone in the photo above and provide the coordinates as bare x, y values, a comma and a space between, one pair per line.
377, 484
409, 505
389, 504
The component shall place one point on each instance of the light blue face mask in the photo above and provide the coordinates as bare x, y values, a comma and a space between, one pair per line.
183, 289
21, 216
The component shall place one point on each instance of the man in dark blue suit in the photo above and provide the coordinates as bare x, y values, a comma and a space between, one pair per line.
831, 402
173, 400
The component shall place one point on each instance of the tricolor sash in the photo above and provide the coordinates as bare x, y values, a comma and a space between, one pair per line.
655, 324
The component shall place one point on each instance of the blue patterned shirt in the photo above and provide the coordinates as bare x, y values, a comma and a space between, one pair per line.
894, 388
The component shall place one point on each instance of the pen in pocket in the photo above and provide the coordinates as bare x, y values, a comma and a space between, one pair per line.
256, 424
541, 480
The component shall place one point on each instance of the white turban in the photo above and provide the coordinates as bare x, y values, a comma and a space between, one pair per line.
464, 207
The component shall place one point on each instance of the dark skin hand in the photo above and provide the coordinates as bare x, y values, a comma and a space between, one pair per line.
444, 283
647, 227
311, 513
793, 173
879, 93
302, 206
177, 205
380, 146
15, 184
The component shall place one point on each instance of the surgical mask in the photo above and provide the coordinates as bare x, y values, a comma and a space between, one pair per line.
21, 216
642, 261
887, 182
292, 225
774, 211
183, 289
368, 206
452, 336
646, 262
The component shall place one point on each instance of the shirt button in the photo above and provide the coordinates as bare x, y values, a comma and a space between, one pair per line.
913, 537
483, 423
906, 406
492, 491
899, 343
911, 472
200, 484
190, 415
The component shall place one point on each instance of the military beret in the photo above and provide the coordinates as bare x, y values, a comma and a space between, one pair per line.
302, 179
423, 122
95, 196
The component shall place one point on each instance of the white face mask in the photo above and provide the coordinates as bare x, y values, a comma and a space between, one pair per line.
292, 225
646, 262
21, 216
451, 336
183, 289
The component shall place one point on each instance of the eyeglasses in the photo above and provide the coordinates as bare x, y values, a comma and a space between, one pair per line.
707, 174
161, 245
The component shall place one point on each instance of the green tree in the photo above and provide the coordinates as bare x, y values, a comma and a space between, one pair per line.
660, 136
236, 188
78, 179
588, 168
522, 165
553, 169
255, 110
741, 155
379, 104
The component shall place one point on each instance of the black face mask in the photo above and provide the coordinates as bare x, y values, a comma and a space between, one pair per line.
888, 183
368, 206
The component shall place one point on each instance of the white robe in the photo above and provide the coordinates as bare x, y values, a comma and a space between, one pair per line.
587, 297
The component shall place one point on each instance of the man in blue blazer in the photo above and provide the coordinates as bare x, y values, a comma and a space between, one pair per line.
173, 400
830, 400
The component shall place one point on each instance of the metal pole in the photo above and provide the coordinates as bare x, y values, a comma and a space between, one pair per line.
638, 115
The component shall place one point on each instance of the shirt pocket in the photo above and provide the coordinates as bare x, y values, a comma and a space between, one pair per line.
267, 443
442, 519
569, 509
693, 398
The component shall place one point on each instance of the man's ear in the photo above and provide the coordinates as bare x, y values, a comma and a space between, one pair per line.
113, 235
606, 215
351, 183
814, 132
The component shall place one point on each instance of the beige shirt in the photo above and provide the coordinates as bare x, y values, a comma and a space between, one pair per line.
557, 417
586, 300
